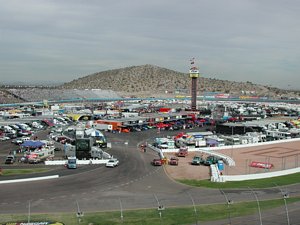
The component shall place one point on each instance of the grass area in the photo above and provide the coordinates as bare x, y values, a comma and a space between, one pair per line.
176, 215
9, 172
259, 183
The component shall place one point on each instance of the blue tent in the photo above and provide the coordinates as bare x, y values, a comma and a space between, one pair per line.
211, 142
33, 144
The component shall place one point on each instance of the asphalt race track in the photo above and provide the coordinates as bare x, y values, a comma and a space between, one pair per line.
135, 183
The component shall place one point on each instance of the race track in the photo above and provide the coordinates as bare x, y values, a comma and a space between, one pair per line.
135, 183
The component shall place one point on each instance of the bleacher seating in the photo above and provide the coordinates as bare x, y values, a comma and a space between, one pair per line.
40, 94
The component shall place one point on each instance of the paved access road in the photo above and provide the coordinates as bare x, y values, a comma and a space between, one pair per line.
135, 183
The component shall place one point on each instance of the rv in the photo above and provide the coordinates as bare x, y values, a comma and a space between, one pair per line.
96, 153
231, 140
277, 135
40, 155
195, 140
165, 143
100, 126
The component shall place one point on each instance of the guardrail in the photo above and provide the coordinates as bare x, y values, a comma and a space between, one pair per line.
158, 150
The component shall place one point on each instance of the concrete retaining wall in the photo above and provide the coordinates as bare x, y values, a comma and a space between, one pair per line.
224, 178
79, 162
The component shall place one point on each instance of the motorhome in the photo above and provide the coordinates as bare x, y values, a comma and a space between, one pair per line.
254, 137
96, 153
100, 126
277, 135
231, 140
40, 155
165, 143
191, 140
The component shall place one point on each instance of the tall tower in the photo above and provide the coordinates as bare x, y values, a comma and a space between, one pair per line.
194, 74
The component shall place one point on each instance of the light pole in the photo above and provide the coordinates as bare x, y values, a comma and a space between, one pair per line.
232, 139
258, 206
79, 214
121, 210
195, 210
160, 208
28, 212
228, 201
285, 195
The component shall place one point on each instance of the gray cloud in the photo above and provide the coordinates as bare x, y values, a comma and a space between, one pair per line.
255, 40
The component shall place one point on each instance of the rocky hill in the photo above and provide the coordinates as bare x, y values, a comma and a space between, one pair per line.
139, 81
149, 80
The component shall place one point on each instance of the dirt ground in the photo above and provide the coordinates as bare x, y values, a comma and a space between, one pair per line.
281, 156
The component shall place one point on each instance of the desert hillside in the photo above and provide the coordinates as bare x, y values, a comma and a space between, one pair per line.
138, 81
149, 80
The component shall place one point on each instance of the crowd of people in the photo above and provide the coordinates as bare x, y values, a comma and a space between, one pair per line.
15, 95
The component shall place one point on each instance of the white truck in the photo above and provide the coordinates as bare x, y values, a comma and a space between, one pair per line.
72, 162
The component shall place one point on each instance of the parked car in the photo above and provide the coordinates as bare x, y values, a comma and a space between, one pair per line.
112, 163
197, 160
211, 160
156, 162
10, 159
182, 152
4, 138
17, 141
173, 161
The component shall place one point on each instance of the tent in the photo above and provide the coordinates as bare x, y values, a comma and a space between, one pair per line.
93, 133
32, 144
96, 133
211, 142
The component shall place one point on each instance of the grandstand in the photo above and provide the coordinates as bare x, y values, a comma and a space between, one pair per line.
52, 94
6, 97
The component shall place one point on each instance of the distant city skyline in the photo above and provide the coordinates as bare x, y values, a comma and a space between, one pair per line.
44, 41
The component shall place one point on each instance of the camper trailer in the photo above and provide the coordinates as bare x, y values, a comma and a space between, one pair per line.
40, 155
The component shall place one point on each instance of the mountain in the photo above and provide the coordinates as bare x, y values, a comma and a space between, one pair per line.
150, 80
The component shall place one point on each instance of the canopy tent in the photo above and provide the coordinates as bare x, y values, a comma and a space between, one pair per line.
211, 142
33, 144
93, 133
96, 133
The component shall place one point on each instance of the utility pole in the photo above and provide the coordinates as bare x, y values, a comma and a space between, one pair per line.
79, 214
160, 208
28, 212
121, 210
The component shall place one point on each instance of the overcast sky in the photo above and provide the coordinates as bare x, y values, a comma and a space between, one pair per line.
237, 40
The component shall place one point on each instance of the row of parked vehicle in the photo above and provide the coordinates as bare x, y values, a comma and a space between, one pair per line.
18, 130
